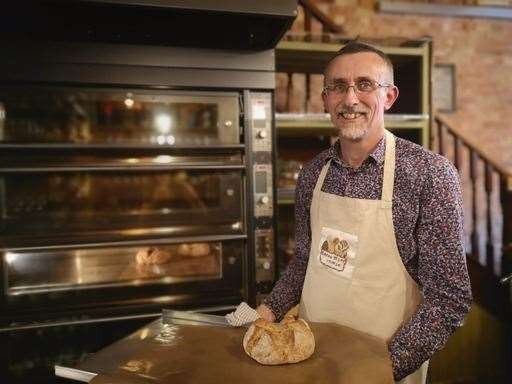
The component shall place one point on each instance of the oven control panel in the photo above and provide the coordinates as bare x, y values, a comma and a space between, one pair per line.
263, 194
264, 244
261, 123
261, 137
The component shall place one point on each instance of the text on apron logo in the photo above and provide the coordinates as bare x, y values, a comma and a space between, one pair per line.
334, 253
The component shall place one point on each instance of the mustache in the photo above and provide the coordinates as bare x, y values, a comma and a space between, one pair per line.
349, 110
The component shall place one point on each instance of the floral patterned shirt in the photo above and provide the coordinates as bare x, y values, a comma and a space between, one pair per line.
428, 223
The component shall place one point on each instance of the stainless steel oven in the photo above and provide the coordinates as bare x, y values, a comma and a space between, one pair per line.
116, 203
136, 168
120, 196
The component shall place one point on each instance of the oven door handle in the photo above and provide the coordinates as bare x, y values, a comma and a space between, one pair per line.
145, 242
120, 168
78, 322
224, 308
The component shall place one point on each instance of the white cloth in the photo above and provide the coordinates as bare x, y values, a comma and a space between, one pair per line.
242, 315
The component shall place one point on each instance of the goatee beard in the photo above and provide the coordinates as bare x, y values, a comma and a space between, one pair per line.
353, 133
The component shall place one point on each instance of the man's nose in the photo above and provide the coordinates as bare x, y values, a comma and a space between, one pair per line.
351, 96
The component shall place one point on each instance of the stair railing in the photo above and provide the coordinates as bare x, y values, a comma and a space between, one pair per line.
312, 11
489, 205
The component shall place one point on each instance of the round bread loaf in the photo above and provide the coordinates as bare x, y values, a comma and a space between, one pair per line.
152, 255
194, 249
289, 341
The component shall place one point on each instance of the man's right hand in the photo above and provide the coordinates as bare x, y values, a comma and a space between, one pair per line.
266, 313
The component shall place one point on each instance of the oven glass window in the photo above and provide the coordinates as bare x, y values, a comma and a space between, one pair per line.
56, 203
112, 117
44, 271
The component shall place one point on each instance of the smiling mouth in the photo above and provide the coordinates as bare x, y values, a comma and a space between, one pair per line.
350, 115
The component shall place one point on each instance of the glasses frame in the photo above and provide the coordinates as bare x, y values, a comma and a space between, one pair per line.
331, 88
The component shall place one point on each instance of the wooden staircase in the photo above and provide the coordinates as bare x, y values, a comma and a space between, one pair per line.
488, 192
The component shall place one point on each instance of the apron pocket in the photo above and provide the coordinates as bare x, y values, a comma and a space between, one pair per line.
337, 252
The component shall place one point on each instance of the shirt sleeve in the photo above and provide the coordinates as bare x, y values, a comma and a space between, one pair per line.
442, 273
288, 289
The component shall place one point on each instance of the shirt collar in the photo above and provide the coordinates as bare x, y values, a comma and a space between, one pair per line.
377, 155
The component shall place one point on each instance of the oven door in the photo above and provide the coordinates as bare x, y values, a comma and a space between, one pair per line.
100, 277
88, 201
117, 117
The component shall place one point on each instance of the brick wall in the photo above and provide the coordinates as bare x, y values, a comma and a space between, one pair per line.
480, 49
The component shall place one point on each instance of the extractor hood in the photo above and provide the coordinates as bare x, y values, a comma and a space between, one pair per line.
225, 24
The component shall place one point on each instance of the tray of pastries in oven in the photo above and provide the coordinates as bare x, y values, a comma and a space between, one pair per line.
197, 259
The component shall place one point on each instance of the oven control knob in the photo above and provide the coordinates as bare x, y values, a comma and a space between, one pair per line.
262, 134
264, 200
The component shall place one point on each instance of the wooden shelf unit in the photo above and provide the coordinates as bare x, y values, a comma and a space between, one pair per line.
412, 62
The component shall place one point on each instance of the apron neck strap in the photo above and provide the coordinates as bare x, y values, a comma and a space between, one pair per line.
389, 168
321, 177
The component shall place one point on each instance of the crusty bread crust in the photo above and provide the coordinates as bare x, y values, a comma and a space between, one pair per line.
194, 249
289, 341
152, 256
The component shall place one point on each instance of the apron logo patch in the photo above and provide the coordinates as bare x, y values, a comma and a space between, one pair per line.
337, 251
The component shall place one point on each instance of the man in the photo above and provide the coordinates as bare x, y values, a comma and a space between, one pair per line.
378, 226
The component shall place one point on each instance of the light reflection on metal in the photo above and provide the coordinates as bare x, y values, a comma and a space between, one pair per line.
144, 333
163, 159
237, 225
169, 334
128, 102
160, 139
142, 367
10, 257
164, 139
78, 267
171, 139
163, 122
2, 120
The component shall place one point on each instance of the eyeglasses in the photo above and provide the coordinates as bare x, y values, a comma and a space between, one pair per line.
360, 86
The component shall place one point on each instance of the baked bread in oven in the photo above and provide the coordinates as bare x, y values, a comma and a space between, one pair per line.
194, 249
152, 256
289, 341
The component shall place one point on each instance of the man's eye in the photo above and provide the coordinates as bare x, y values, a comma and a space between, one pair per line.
340, 87
364, 85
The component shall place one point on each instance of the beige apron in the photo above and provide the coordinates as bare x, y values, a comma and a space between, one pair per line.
355, 276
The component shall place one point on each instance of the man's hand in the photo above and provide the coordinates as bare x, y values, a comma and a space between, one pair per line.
265, 313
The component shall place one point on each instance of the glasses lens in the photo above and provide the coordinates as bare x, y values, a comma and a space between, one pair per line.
340, 87
361, 86
365, 86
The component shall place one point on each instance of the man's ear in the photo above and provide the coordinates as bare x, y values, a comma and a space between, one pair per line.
391, 96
